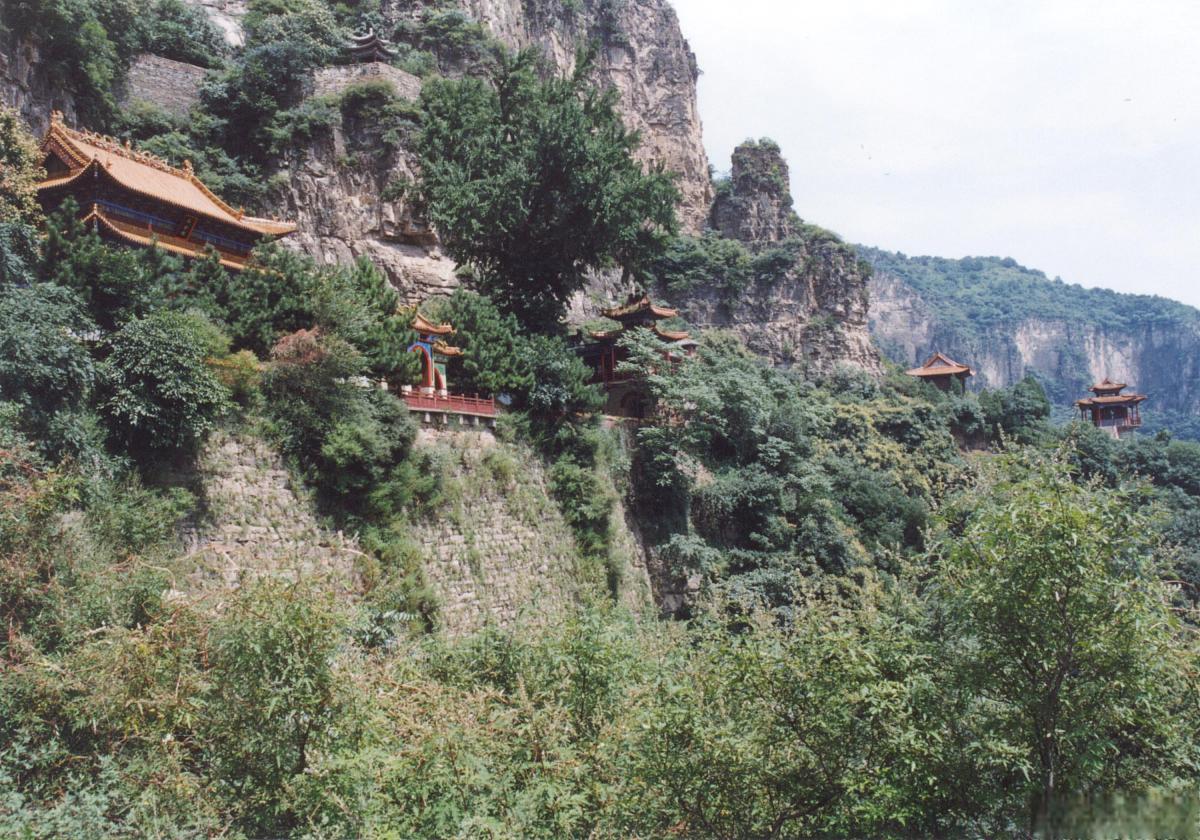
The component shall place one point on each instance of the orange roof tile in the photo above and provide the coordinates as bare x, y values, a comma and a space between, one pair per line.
939, 364
423, 325
671, 335
446, 350
142, 173
1113, 399
636, 306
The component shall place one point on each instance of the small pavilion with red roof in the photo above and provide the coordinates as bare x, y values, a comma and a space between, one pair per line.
603, 354
943, 372
433, 401
1110, 410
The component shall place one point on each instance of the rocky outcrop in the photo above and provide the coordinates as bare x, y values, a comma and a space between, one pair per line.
643, 54
26, 86
227, 16
755, 205
339, 201
1159, 357
351, 196
810, 307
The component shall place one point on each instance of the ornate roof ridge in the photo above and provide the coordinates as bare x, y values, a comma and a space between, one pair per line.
126, 150
112, 144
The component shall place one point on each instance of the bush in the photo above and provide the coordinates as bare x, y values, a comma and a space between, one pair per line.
45, 369
159, 393
183, 32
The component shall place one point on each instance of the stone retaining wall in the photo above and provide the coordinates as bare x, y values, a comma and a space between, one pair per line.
257, 523
171, 85
498, 550
329, 80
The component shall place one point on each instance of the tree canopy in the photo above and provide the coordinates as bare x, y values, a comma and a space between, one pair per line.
531, 181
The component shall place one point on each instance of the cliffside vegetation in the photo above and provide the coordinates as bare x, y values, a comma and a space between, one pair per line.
890, 611
978, 303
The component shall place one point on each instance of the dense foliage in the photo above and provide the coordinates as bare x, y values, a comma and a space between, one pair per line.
531, 182
982, 292
905, 613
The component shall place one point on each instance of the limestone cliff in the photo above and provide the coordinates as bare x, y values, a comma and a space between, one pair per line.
642, 53
810, 308
26, 86
1152, 344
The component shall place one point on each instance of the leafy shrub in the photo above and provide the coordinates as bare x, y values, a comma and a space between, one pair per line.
45, 369
160, 395
20, 171
241, 373
183, 32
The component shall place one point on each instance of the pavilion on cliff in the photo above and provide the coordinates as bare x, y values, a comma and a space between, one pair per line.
943, 372
370, 47
433, 399
1110, 410
133, 198
625, 397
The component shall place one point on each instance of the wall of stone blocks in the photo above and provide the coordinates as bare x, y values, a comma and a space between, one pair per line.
257, 522
499, 550
331, 80
171, 85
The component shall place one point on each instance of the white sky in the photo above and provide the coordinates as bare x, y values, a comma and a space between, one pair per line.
1062, 133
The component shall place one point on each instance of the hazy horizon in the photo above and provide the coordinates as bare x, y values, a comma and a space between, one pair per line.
1057, 133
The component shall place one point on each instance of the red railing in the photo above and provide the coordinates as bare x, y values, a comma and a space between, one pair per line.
452, 404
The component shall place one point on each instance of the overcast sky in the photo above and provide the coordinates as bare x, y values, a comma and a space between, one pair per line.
1062, 133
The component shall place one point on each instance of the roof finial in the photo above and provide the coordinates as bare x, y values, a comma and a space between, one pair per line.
56, 117
187, 167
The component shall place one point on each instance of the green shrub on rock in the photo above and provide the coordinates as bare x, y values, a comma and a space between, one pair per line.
159, 393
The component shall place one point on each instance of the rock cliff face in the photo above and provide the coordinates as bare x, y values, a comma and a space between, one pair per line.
644, 55
812, 310
1159, 357
26, 87
345, 190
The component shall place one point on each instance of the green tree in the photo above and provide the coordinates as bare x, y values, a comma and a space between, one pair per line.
1020, 411
20, 171
45, 369
1058, 620
159, 393
532, 181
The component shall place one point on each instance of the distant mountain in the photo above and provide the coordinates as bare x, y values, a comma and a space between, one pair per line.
1006, 321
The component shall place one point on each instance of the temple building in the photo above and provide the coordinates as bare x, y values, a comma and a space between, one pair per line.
433, 400
943, 372
370, 47
626, 397
133, 198
1110, 410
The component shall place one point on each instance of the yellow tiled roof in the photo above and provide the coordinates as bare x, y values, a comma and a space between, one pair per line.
145, 174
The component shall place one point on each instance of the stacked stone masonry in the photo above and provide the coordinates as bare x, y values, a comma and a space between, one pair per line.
258, 523
171, 85
332, 80
500, 552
